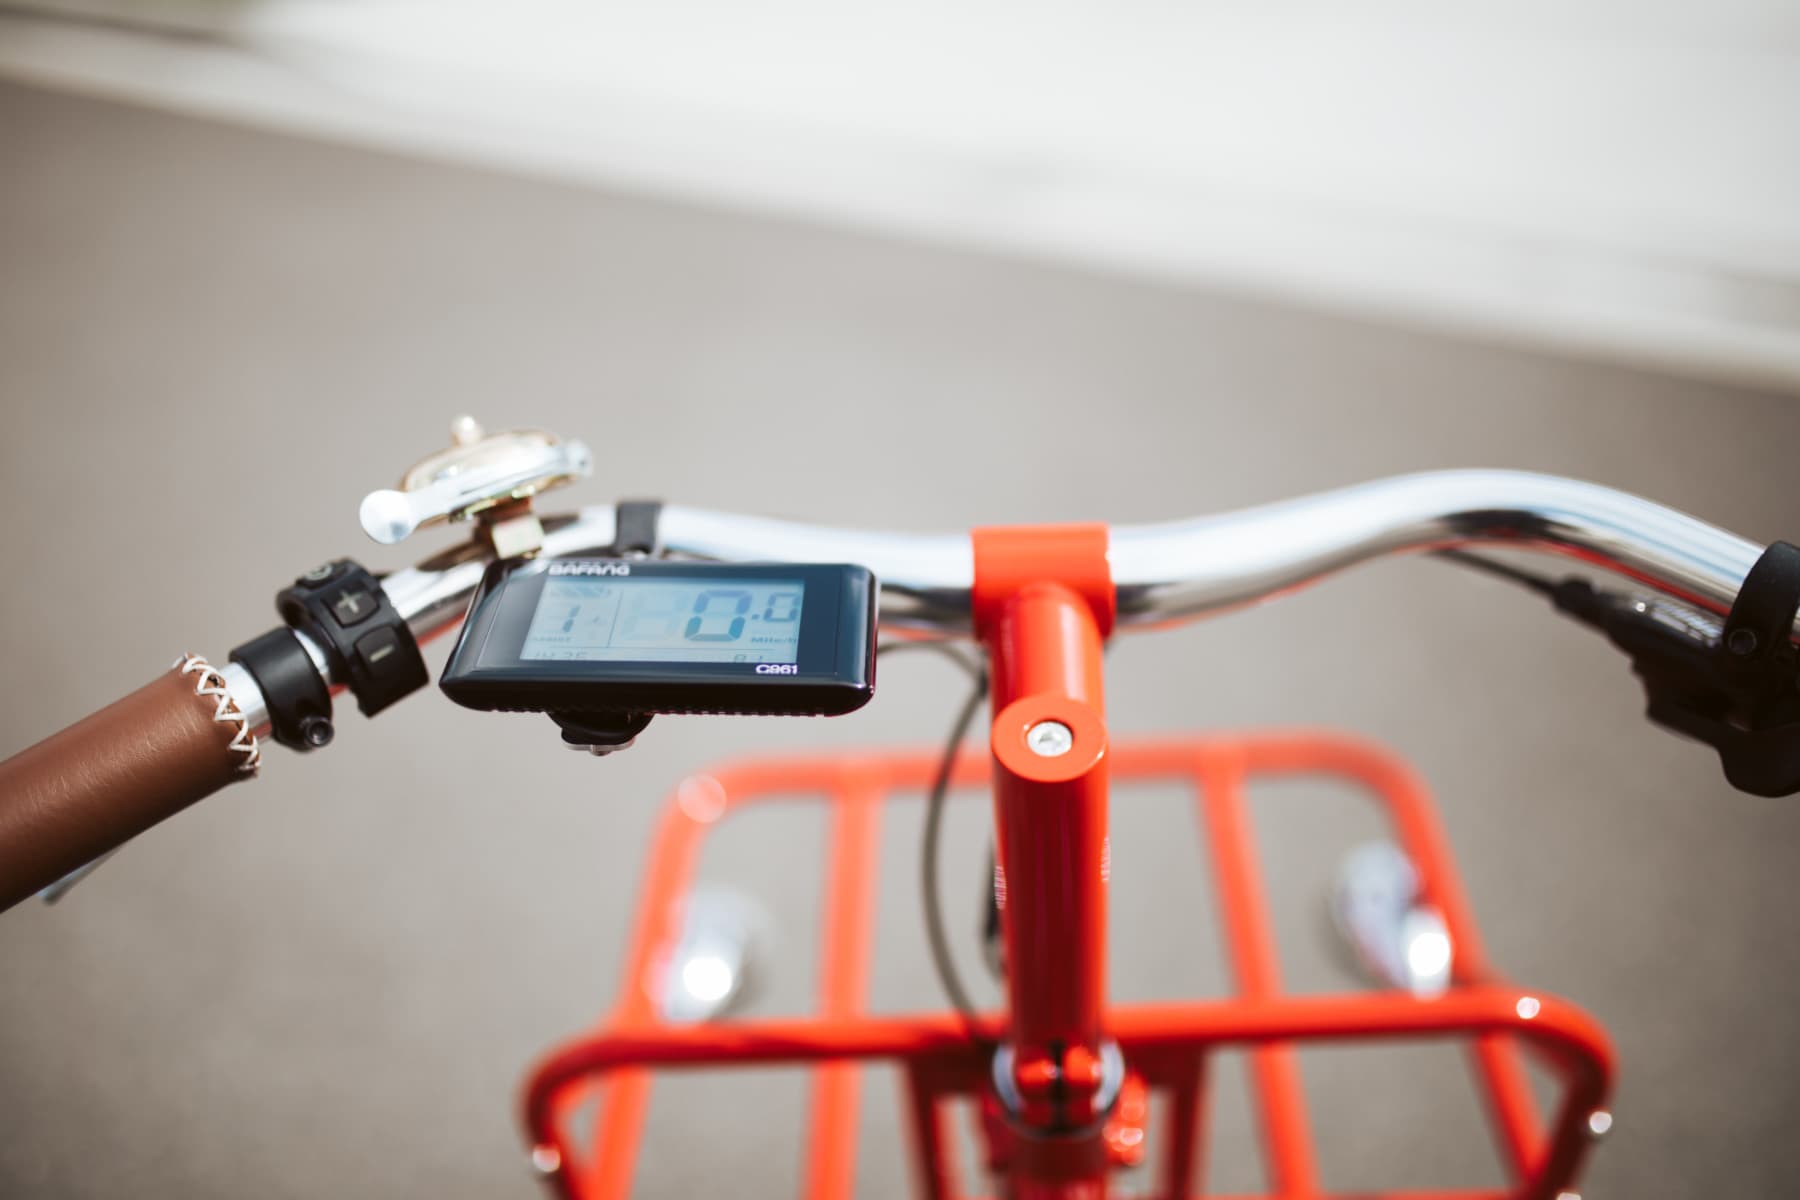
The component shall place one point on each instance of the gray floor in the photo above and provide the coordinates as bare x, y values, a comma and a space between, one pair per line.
212, 342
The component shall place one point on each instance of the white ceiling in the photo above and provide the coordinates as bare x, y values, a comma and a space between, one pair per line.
1614, 177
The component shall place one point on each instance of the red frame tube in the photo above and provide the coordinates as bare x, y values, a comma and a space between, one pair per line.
1167, 1044
1250, 938
830, 1170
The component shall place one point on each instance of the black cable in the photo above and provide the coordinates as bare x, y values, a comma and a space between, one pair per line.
1572, 596
928, 859
942, 960
1542, 584
970, 668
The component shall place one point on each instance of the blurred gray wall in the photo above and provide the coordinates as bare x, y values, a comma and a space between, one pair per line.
212, 342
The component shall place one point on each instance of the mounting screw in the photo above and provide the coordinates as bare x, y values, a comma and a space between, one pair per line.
1050, 739
1741, 642
315, 732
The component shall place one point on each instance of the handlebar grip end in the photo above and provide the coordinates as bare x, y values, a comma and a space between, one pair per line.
80, 793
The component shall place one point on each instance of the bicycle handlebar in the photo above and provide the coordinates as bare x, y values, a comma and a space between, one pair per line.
1184, 569
155, 752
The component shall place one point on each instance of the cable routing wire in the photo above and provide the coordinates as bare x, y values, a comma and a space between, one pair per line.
941, 958
1544, 585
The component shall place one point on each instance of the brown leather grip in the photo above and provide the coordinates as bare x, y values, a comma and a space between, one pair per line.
104, 780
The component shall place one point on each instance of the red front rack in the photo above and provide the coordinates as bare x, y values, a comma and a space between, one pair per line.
1165, 1044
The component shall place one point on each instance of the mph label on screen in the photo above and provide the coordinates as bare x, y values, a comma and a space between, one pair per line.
666, 620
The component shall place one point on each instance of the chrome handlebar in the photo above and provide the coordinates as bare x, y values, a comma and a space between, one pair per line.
1180, 570
1164, 573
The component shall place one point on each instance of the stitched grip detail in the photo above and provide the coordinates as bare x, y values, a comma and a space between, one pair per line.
208, 682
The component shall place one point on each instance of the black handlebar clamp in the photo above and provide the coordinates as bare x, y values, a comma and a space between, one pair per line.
635, 534
298, 701
1735, 687
635, 528
342, 608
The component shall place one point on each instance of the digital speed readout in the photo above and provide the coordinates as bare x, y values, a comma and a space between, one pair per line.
585, 636
666, 620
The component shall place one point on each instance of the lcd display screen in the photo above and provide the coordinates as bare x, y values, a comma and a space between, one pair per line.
666, 620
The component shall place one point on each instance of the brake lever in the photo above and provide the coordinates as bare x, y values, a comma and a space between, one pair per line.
1733, 684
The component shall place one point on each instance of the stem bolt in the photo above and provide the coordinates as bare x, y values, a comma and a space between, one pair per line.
1050, 739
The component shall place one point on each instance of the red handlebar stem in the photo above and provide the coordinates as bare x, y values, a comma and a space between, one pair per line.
1043, 601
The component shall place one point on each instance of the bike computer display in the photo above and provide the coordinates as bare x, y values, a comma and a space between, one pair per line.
594, 635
